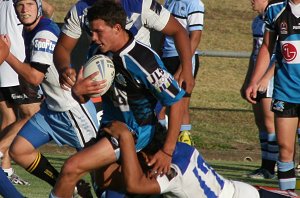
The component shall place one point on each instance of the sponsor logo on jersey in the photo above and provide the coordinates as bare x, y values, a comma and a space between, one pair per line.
283, 28
160, 79
289, 52
44, 45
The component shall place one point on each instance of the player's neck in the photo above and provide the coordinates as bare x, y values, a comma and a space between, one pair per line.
29, 28
122, 41
295, 1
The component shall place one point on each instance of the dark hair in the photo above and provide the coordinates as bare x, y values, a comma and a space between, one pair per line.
110, 12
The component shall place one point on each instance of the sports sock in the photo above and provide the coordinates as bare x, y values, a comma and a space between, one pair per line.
185, 127
263, 139
272, 153
8, 171
42, 169
286, 175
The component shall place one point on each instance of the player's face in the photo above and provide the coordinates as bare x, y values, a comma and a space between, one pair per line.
104, 35
259, 5
27, 11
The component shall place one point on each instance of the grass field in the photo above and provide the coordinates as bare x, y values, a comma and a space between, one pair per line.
223, 125
229, 169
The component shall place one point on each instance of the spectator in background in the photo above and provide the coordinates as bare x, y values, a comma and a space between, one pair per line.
190, 14
16, 105
281, 18
264, 117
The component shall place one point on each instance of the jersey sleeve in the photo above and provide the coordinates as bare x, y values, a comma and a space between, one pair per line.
153, 75
42, 47
195, 16
72, 27
154, 15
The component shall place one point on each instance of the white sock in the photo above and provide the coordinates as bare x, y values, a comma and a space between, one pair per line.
9, 171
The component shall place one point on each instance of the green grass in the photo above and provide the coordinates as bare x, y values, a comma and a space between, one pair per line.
229, 169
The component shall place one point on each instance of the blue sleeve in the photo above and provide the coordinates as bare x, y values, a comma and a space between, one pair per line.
154, 76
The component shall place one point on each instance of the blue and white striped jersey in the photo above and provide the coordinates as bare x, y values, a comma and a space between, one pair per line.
190, 14
142, 15
140, 81
281, 17
194, 178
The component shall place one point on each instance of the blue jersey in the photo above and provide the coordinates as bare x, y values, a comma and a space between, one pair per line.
140, 81
280, 19
258, 29
190, 14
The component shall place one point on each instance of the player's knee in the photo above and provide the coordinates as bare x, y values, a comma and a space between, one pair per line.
71, 168
18, 148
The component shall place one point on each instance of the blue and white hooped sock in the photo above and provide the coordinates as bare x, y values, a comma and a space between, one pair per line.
286, 175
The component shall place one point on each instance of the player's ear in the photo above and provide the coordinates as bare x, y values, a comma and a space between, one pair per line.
118, 28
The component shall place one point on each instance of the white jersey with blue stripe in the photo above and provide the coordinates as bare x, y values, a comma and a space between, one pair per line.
282, 18
140, 81
190, 14
39, 44
192, 177
142, 15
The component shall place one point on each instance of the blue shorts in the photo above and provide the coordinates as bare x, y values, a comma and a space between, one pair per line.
75, 127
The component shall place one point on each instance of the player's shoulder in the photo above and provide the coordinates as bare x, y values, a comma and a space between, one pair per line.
47, 25
274, 9
277, 4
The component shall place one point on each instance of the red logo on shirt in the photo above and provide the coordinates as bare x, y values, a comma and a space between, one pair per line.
289, 52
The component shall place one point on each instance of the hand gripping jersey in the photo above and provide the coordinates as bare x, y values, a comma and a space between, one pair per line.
280, 17
40, 43
190, 14
9, 24
140, 80
142, 15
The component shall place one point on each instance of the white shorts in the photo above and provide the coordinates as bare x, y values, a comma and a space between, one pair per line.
75, 127
235, 189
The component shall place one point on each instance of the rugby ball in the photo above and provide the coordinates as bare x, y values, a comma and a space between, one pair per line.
106, 69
